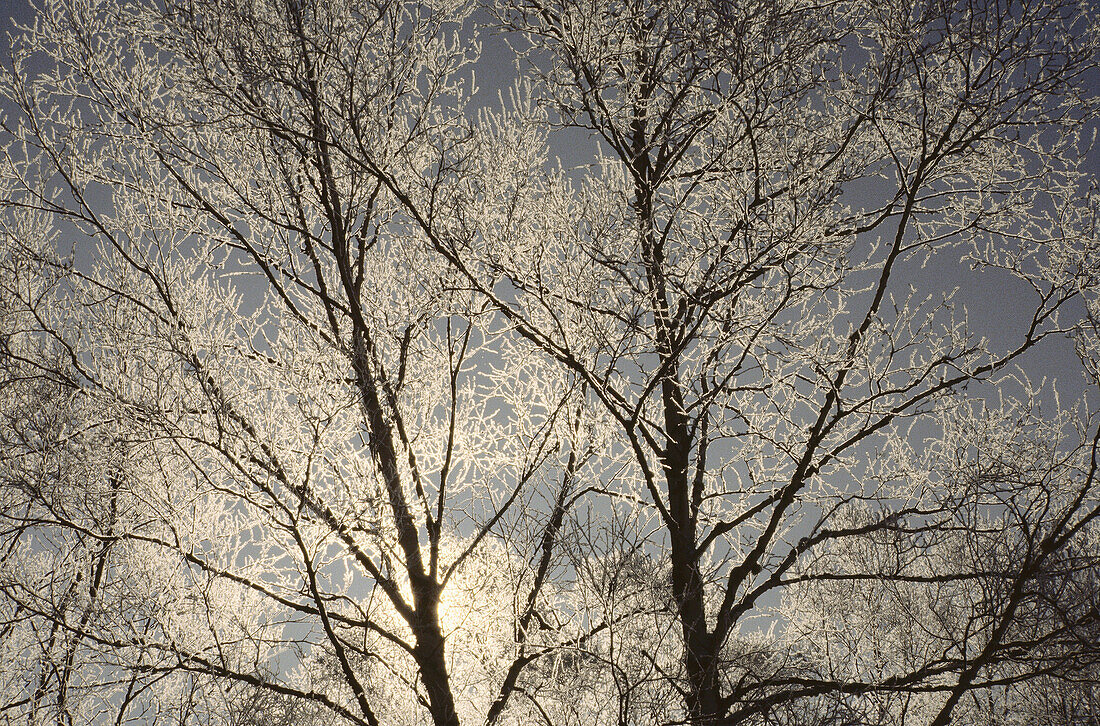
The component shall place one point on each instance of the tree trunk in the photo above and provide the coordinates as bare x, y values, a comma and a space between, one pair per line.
700, 650
431, 659
703, 697
429, 648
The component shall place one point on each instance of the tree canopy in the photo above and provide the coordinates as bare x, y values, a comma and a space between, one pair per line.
642, 389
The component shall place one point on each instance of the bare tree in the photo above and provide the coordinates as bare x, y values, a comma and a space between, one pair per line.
330, 395
989, 588
263, 445
734, 275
